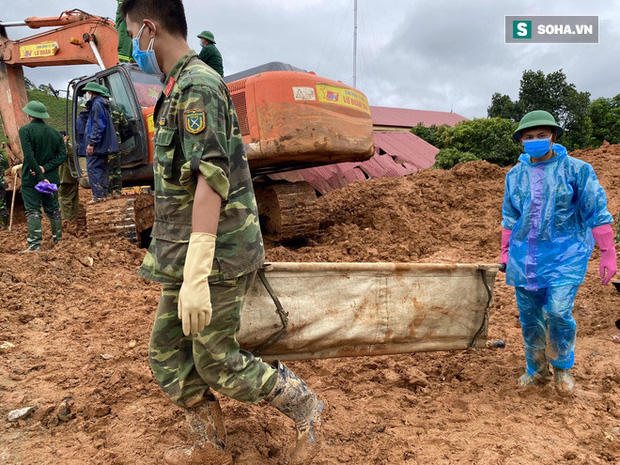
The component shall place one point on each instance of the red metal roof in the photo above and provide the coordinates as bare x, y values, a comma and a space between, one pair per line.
405, 118
397, 153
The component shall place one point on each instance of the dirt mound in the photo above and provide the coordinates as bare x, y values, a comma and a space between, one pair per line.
78, 319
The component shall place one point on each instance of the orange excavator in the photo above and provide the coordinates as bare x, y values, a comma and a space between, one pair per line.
289, 119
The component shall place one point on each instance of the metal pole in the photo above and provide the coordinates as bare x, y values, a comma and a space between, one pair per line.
355, 43
15, 23
13, 200
96, 52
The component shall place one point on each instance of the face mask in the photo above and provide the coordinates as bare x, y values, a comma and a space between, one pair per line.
537, 148
146, 59
89, 95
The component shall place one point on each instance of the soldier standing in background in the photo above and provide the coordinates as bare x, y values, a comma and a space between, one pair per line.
68, 195
209, 53
124, 41
115, 189
4, 213
44, 151
206, 247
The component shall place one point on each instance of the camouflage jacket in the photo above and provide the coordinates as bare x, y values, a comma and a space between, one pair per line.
197, 134
118, 118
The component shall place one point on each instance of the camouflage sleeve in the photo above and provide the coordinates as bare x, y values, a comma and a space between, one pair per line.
204, 125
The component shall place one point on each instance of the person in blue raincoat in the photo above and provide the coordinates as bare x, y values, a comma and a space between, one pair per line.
554, 210
101, 141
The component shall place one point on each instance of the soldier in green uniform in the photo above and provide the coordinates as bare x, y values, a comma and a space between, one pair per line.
206, 247
44, 151
68, 194
4, 213
124, 41
209, 52
115, 189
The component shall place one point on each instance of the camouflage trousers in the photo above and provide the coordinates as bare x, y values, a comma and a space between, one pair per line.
116, 179
187, 367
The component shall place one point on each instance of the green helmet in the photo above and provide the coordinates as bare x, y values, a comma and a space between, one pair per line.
94, 87
105, 92
207, 35
36, 109
535, 119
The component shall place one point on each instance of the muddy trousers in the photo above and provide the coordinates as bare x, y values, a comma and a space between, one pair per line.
98, 177
116, 178
548, 326
187, 367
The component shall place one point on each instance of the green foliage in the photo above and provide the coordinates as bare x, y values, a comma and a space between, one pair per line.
554, 94
447, 158
605, 116
434, 135
478, 139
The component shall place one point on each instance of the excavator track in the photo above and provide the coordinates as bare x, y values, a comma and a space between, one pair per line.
287, 211
130, 216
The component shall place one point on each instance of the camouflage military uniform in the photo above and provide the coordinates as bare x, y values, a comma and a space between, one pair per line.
197, 134
114, 159
68, 190
4, 213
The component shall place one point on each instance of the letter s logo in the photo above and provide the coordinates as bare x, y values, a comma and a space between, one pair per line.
522, 29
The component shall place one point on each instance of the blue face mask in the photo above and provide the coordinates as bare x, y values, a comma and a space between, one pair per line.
537, 148
145, 59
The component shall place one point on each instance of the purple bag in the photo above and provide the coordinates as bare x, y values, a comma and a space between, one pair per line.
46, 187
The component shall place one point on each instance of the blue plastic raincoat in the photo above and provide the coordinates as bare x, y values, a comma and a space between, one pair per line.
551, 208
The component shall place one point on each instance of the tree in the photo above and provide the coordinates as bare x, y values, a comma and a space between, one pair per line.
554, 94
503, 107
605, 116
487, 139
433, 134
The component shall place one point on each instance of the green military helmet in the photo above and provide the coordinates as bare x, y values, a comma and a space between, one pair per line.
535, 119
207, 35
94, 87
104, 91
36, 109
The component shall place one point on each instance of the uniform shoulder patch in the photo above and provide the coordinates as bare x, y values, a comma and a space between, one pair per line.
195, 121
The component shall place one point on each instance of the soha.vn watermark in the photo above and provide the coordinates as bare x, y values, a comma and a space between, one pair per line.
552, 29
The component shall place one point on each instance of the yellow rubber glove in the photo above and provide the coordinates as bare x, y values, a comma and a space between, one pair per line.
194, 309
16, 168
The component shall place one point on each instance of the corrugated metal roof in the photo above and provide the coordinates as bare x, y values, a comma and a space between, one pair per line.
405, 118
397, 153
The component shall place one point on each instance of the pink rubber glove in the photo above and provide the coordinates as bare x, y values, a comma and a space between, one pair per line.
503, 260
604, 237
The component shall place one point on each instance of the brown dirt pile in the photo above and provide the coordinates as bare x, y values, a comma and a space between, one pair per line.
79, 319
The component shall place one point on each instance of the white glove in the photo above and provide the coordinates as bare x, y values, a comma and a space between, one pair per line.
194, 308
16, 168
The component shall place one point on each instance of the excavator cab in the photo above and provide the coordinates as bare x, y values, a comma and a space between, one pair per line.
135, 94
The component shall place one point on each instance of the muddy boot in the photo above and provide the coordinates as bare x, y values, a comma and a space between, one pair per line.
208, 434
56, 226
564, 383
34, 234
292, 396
537, 379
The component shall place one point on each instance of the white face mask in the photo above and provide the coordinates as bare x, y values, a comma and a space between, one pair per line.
89, 95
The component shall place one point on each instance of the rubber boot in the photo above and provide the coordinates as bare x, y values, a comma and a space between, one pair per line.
56, 226
34, 234
292, 396
564, 383
206, 429
538, 378
4, 222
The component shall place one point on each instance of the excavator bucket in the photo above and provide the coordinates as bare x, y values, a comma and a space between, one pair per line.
354, 309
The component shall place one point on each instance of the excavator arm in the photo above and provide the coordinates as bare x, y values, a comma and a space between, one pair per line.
78, 38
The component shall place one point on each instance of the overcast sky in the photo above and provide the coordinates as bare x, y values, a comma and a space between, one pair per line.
431, 55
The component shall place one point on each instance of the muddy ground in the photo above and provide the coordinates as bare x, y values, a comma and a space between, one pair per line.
79, 319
